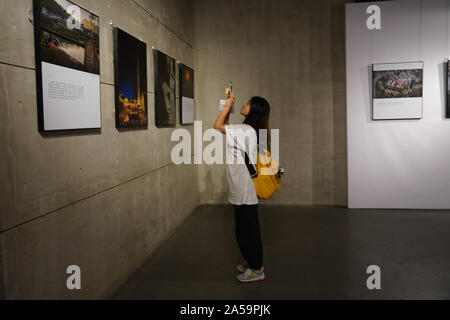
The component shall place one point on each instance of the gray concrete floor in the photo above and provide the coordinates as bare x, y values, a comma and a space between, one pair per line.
310, 253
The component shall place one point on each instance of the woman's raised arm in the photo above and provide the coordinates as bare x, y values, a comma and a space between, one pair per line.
224, 117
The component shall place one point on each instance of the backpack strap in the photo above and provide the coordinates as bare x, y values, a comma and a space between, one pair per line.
250, 167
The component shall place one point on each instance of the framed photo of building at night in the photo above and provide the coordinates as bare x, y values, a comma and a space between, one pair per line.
186, 94
67, 50
130, 72
397, 91
165, 96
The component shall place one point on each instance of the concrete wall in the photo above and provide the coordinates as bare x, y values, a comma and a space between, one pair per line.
103, 201
293, 53
399, 164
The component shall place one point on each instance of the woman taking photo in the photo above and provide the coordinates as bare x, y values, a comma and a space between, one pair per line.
242, 192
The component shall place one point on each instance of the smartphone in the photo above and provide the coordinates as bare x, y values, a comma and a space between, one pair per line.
229, 88
227, 93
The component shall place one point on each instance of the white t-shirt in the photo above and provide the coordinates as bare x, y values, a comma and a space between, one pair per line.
240, 138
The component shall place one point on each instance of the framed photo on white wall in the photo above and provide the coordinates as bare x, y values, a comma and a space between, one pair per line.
447, 76
397, 91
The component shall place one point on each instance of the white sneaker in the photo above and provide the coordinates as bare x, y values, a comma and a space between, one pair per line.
251, 275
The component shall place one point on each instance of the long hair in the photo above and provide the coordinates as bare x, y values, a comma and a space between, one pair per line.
258, 117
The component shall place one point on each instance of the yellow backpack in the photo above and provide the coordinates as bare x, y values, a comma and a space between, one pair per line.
267, 182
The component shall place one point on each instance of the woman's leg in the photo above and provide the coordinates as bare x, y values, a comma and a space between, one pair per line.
248, 235
255, 246
241, 228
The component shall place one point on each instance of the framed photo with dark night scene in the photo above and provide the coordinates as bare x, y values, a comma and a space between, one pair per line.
397, 91
165, 99
186, 94
130, 66
67, 49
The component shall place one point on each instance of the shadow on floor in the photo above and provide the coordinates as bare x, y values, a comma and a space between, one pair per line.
309, 253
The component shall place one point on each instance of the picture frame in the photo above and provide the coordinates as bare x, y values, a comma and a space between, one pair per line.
397, 91
165, 87
130, 77
67, 54
447, 86
187, 102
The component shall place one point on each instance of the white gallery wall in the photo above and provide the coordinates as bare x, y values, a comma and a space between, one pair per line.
401, 164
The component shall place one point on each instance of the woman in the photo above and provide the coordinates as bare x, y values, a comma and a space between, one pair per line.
242, 140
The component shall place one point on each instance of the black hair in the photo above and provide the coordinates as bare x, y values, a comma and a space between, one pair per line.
258, 117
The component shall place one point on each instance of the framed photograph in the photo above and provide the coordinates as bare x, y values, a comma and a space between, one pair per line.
67, 50
447, 77
187, 104
397, 91
130, 73
165, 96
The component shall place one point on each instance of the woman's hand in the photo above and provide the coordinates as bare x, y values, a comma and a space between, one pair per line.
224, 116
230, 100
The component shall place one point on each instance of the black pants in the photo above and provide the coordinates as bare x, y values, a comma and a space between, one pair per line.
248, 234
